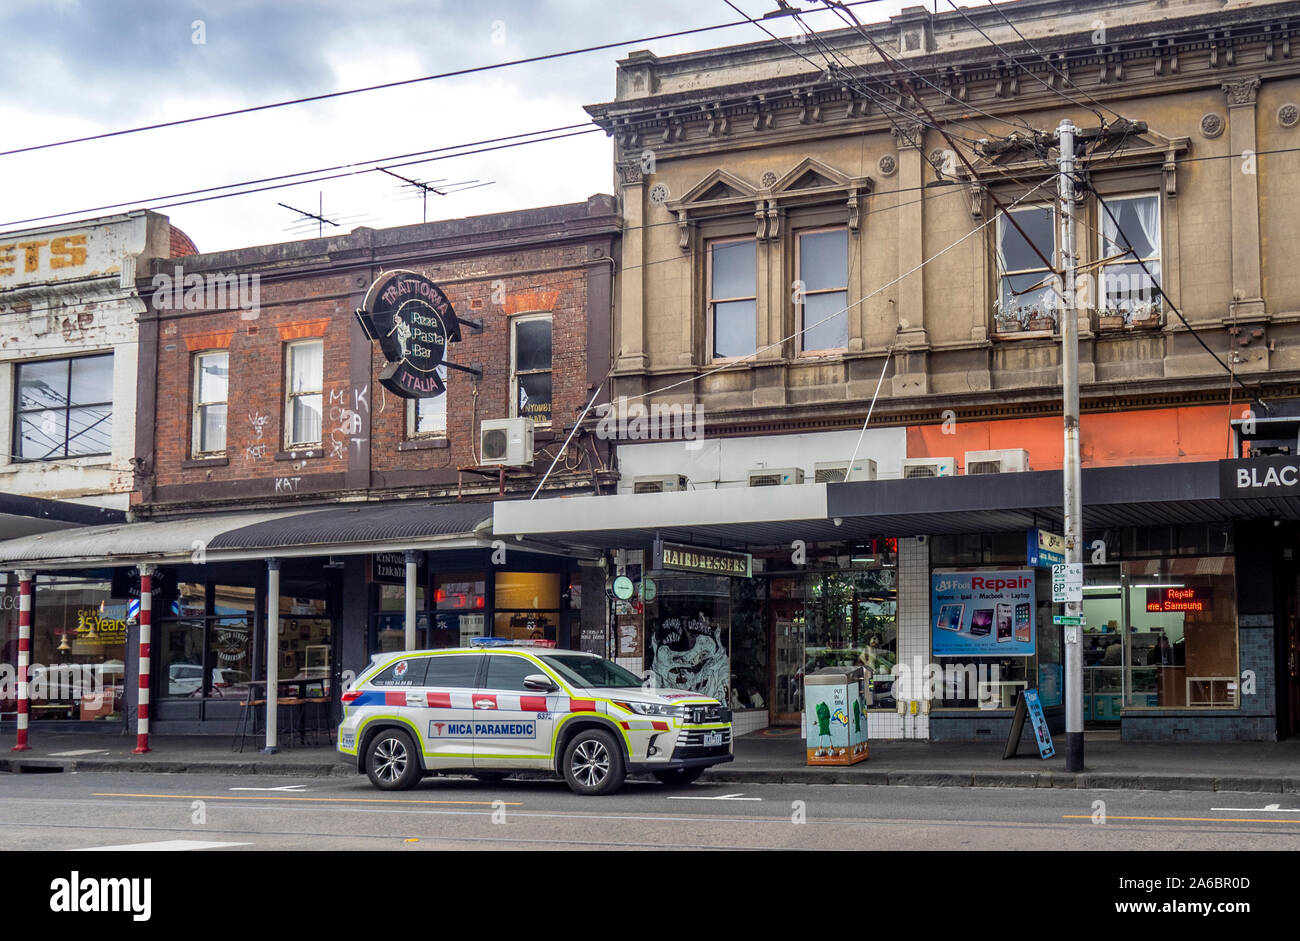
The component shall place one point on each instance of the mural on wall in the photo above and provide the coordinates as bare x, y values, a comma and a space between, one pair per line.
690, 653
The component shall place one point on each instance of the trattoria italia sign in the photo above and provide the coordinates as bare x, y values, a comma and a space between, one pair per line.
673, 557
413, 322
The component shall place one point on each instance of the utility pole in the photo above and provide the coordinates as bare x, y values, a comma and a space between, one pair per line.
1072, 469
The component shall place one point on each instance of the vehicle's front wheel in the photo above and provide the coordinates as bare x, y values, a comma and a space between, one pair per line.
678, 776
392, 763
593, 763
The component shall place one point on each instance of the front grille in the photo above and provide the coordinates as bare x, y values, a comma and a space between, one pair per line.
694, 738
706, 714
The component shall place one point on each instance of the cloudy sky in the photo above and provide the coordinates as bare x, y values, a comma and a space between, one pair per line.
81, 67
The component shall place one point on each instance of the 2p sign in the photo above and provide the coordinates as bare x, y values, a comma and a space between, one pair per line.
1067, 582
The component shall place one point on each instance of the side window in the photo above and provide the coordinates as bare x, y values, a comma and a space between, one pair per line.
456, 671
530, 368
409, 672
508, 672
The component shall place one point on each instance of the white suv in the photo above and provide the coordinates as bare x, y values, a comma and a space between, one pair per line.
491, 711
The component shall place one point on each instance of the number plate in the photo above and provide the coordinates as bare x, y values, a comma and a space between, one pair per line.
712, 738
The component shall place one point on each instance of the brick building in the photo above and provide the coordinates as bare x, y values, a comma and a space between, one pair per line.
280, 480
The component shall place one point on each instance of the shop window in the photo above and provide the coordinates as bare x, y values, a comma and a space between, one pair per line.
1126, 290
527, 605
688, 634
822, 299
460, 603
530, 368
453, 670
1027, 296
304, 381
211, 389
427, 418
78, 650
733, 302
64, 408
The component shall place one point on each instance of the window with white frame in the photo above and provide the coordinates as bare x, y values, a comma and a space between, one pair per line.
733, 302
64, 408
304, 380
530, 368
1027, 291
1133, 234
211, 391
427, 418
823, 296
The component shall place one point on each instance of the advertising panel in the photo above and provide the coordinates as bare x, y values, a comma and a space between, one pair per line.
982, 613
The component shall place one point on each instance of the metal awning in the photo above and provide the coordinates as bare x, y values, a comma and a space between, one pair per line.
21, 515
1143, 495
339, 530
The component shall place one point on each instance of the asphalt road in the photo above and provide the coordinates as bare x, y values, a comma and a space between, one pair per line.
211, 812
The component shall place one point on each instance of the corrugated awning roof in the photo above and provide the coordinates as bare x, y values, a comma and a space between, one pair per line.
338, 530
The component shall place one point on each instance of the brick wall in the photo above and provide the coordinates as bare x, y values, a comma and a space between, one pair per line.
365, 440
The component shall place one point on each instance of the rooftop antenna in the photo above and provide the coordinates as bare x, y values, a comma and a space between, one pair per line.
319, 216
427, 187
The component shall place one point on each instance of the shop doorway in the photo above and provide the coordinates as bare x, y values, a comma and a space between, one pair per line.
1291, 663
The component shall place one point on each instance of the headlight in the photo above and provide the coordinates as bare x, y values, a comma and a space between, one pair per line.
651, 709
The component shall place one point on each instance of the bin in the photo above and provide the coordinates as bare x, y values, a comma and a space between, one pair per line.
835, 704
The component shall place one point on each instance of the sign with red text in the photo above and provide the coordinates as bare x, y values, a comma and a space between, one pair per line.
982, 613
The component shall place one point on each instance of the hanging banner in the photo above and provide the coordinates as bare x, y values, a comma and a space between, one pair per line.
983, 613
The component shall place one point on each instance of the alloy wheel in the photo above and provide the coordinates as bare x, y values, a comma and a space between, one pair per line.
392, 758
591, 763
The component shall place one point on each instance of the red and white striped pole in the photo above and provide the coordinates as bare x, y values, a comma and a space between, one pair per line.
146, 623
24, 655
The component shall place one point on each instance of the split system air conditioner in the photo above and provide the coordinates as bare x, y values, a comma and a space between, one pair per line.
832, 472
775, 476
929, 467
659, 483
1010, 460
506, 441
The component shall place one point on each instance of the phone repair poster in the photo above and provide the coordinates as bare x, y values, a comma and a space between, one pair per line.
984, 614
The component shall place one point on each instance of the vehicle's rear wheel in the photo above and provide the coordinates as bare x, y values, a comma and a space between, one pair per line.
392, 763
593, 763
679, 776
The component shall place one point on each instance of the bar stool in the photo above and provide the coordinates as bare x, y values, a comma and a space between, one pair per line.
248, 725
295, 703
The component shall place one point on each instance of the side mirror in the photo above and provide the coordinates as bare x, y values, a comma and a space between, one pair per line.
539, 682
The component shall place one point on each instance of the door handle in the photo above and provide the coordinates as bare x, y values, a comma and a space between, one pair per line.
414, 699
485, 704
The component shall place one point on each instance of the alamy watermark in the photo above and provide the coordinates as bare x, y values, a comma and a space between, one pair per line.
655, 422
209, 291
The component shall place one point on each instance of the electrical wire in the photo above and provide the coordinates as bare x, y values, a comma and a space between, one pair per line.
472, 70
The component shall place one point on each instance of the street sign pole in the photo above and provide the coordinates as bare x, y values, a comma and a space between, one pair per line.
1072, 472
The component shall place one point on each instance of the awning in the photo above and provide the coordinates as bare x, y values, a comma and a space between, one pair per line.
1153, 494
214, 537
22, 516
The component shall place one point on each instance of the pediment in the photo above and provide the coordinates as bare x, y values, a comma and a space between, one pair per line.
809, 174
720, 185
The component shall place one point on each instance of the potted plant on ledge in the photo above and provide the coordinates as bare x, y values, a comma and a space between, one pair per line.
1009, 319
1144, 315
1110, 318
1042, 319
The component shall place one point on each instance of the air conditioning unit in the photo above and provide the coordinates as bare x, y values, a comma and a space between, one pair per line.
832, 472
506, 441
775, 476
659, 483
929, 467
1010, 460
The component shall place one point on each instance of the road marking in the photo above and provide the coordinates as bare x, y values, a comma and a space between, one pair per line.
724, 797
1271, 808
79, 751
286, 787
166, 845
333, 800
1177, 819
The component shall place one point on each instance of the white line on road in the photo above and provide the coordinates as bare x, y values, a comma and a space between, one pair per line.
723, 797
286, 787
79, 751
1271, 808
168, 845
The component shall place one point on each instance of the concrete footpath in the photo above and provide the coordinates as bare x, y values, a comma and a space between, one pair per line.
771, 756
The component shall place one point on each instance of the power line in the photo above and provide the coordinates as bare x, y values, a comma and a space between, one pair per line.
472, 70
537, 135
